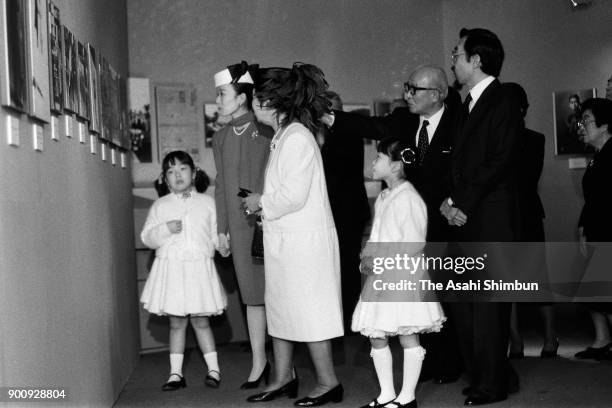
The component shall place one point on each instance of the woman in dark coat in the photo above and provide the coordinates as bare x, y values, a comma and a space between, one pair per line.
595, 223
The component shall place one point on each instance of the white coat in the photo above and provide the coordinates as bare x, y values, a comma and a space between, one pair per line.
302, 263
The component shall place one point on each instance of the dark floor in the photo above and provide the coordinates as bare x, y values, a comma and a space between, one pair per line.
560, 382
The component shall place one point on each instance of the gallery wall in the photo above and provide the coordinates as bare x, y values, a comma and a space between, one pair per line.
68, 291
550, 46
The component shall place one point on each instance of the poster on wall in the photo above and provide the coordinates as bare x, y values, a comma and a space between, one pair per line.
114, 106
139, 115
83, 80
56, 90
177, 120
567, 111
71, 90
105, 100
93, 74
212, 122
39, 60
124, 128
13, 55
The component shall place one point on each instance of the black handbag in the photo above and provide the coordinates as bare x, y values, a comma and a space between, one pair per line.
257, 246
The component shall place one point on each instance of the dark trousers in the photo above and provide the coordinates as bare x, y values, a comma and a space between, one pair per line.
443, 357
483, 330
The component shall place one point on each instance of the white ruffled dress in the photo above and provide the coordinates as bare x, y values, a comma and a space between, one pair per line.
400, 216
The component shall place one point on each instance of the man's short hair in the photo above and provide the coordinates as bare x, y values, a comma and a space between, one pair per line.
484, 43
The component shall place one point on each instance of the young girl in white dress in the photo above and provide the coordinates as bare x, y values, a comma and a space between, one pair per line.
183, 284
400, 216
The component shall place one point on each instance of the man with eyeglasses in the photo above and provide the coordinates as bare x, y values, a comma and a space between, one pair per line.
482, 205
425, 126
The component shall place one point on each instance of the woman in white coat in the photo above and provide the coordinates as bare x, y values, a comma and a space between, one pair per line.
301, 257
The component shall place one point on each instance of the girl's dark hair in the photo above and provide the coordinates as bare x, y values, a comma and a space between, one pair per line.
237, 71
299, 93
398, 151
200, 183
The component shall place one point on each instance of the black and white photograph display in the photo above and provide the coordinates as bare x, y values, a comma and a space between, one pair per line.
39, 60
56, 93
83, 80
93, 74
70, 71
13, 50
567, 110
139, 114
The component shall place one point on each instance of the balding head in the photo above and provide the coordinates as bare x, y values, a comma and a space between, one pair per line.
427, 102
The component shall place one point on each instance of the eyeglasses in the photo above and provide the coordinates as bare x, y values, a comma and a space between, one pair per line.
412, 90
456, 55
584, 122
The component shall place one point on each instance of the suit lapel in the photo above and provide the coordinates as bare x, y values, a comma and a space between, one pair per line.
479, 110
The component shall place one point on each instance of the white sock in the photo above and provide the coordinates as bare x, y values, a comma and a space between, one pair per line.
413, 360
383, 364
212, 364
176, 363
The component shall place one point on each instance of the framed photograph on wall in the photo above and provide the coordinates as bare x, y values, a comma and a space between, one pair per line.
71, 90
14, 55
93, 75
124, 127
83, 80
211, 122
106, 86
39, 60
56, 81
139, 114
567, 107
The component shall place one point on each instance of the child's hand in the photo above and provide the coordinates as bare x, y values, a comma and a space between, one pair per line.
175, 226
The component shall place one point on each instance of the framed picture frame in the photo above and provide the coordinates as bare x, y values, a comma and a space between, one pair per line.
93, 78
139, 116
69, 62
211, 122
566, 114
56, 81
124, 127
38, 61
14, 84
83, 80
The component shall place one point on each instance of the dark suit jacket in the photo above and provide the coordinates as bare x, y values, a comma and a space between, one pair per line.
432, 177
484, 167
595, 216
530, 169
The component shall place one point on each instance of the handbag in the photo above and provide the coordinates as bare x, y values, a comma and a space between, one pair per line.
257, 246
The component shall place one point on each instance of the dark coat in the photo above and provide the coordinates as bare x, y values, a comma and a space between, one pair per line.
595, 217
530, 170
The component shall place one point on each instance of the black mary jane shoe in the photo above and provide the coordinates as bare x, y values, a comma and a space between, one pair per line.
375, 404
290, 390
265, 375
211, 381
334, 395
174, 385
595, 353
411, 404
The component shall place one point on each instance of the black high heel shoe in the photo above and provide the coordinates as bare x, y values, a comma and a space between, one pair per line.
333, 395
265, 374
290, 390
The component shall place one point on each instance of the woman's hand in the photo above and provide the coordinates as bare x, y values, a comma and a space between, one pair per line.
175, 226
224, 247
251, 203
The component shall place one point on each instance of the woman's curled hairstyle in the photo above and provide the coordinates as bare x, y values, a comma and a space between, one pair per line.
298, 93
200, 183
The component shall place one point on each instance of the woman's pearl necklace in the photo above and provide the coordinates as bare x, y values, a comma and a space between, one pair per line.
243, 128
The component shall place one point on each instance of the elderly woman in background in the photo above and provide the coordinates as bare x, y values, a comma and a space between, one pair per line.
595, 223
303, 301
241, 151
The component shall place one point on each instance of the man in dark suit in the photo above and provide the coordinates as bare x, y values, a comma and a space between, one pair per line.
425, 125
483, 204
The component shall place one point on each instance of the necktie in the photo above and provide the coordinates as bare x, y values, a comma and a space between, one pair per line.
466, 104
423, 141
